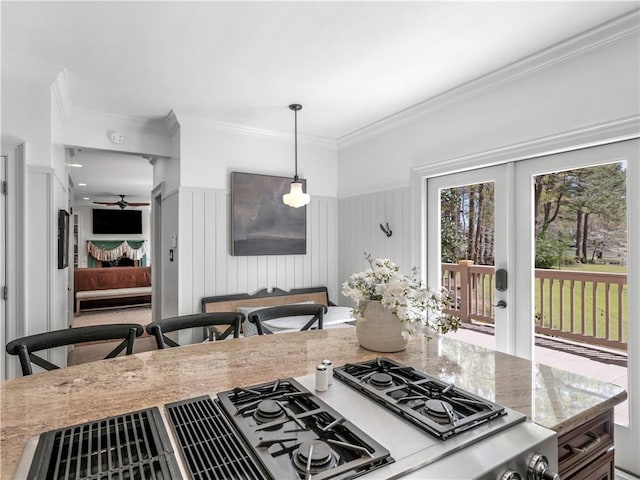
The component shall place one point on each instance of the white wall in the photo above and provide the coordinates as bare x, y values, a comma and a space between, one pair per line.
598, 86
59, 293
85, 232
30, 114
92, 129
209, 154
26, 105
169, 296
207, 157
359, 231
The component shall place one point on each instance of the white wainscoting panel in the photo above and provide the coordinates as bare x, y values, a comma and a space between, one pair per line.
359, 231
207, 267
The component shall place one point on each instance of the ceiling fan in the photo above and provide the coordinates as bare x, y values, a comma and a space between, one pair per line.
122, 203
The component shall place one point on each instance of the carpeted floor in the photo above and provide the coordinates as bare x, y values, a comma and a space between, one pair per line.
97, 351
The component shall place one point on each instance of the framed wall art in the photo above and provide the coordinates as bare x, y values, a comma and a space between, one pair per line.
261, 224
63, 239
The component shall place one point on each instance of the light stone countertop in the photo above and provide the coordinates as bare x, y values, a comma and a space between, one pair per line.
31, 405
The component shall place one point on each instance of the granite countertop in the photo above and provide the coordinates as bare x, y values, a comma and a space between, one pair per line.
31, 405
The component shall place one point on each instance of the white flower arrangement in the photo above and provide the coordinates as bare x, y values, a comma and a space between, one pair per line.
405, 296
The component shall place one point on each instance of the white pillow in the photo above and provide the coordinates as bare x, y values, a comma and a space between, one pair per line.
337, 315
249, 329
334, 316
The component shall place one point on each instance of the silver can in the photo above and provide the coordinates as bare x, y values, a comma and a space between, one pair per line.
322, 378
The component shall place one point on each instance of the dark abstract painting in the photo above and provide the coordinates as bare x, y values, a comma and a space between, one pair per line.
261, 223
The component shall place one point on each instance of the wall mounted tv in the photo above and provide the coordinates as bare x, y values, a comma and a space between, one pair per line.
116, 221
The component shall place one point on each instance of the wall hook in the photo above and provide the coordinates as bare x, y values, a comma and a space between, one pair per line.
387, 231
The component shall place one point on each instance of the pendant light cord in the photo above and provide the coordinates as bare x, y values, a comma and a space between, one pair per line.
295, 129
295, 107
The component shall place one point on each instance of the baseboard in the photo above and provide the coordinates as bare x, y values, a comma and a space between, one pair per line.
620, 475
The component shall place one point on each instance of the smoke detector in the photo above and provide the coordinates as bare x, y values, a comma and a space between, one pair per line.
116, 137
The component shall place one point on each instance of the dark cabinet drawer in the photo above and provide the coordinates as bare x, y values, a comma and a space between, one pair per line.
602, 468
580, 447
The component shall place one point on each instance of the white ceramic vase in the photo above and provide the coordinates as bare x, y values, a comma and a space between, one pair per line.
380, 330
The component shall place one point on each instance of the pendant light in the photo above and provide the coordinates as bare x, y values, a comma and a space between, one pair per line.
296, 197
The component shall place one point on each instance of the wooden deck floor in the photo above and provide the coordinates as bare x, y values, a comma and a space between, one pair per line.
564, 360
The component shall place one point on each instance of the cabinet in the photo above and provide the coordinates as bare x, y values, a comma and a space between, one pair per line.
587, 451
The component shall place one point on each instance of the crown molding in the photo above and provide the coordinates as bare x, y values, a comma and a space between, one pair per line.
617, 130
61, 92
22, 67
171, 122
563, 52
124, 122
240, 129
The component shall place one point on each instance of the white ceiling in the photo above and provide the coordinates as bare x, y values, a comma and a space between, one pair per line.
108, 175
349, 63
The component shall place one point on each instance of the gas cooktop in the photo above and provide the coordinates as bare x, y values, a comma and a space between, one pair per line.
439, 408
382, 420
296, 434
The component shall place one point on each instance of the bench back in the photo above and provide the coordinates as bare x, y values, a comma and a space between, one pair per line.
265, 298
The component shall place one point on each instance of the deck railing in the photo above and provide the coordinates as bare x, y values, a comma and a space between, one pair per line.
588, 307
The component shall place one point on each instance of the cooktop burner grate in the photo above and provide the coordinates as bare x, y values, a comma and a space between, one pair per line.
210, 446
297, 436
441, 409
129, 446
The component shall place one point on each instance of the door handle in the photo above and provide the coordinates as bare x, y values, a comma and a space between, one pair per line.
501, 304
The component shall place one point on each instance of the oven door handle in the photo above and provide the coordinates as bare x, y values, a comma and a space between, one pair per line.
590, 445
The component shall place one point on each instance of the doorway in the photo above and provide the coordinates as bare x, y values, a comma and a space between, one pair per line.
112, 215
592, 228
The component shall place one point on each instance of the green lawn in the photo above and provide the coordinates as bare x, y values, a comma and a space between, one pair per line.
581, 267
565, 323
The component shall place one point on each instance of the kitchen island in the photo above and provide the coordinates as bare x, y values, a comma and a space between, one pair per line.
31, 405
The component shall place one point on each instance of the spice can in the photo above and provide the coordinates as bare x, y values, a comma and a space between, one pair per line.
322, 378
329, 365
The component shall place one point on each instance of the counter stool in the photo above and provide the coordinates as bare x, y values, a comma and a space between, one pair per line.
25, 347
261, 318
231, 320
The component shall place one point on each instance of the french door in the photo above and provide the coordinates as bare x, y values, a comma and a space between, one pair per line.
623, 156
499, 227
516, 234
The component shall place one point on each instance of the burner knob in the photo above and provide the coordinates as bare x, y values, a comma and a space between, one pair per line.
539, 469
510, 475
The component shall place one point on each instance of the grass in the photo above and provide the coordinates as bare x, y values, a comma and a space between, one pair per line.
589, 267
578, 324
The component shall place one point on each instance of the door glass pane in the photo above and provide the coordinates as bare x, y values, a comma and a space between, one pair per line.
581, 273
467, 250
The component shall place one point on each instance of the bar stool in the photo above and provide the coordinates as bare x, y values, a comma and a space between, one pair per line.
25, 347
231, 320
261, 318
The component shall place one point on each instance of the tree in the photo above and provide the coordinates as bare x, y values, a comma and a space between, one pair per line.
467, 223
580, 197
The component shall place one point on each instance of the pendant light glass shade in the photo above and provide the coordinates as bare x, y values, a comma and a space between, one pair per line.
296, 197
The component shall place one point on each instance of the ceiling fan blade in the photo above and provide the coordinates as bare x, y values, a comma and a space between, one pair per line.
138, 204
106, 203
